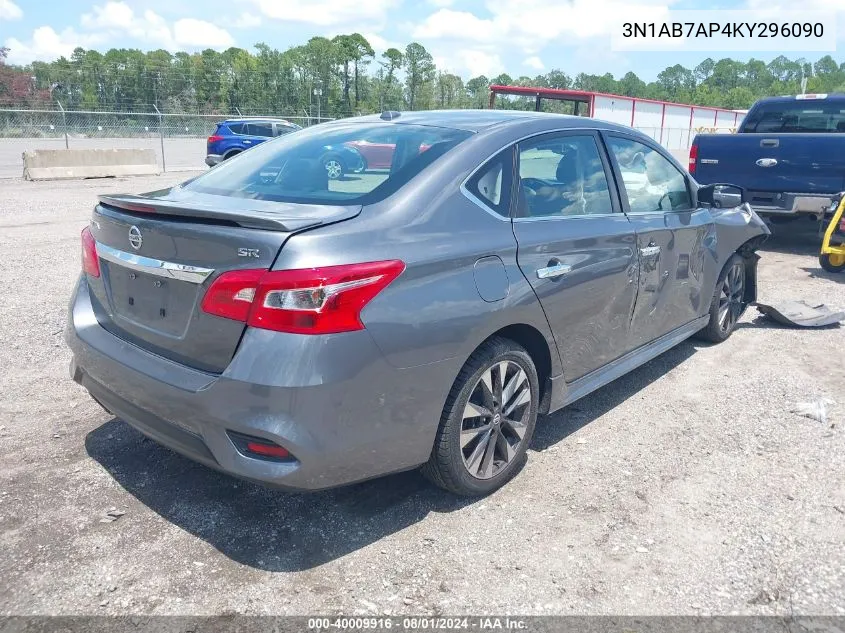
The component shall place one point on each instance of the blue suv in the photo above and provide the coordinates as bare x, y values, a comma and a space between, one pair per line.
234, 136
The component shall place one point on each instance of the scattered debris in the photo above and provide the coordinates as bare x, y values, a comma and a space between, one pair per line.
765, 597
642, 550
112, 515
839, 510
802, 313
816, 410
581, 441
370, 605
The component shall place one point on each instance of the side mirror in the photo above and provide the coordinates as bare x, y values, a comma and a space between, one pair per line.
722, 195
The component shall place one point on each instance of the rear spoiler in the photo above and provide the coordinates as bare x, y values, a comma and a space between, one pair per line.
273, 220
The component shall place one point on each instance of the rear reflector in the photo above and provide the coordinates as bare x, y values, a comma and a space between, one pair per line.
324, 300
90, 261
267, 450
258, 447
693, 158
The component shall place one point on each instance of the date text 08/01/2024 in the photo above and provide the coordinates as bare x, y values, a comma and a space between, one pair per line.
727, 29
417, 623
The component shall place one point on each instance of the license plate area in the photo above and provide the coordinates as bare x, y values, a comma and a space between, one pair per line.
156, 303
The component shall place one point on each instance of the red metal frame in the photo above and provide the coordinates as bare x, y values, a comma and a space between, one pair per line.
585, 96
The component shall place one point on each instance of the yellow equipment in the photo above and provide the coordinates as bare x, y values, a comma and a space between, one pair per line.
832, 256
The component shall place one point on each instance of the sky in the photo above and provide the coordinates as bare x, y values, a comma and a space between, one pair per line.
467, 37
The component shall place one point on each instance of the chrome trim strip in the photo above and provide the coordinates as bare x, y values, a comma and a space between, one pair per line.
170, 270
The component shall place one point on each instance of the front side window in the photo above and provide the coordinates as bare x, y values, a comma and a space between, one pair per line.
292, 168
562, 176
652, 182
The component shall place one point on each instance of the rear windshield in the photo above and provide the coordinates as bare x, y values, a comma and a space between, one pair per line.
356, 163
796, 117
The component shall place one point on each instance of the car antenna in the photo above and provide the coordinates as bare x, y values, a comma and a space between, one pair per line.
389, 115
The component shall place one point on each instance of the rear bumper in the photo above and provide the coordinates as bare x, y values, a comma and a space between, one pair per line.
213, 159
784, 204
343, 413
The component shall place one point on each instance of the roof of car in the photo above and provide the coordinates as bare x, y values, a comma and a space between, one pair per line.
257, 119
838, 96
477, 120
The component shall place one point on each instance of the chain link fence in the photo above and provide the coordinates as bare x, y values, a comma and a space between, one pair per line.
178, 138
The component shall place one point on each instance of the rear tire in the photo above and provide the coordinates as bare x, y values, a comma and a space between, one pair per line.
832, 263
487, 422
231, 154
727, 304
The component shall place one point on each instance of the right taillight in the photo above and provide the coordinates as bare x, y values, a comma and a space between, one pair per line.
324, 300
90, 261
693, 158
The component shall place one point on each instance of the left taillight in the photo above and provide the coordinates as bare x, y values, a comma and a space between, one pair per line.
90, 261
325, 300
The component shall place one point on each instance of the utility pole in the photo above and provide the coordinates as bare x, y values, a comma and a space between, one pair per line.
318, 92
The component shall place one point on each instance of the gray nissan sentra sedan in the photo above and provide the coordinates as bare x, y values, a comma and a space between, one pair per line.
307, 333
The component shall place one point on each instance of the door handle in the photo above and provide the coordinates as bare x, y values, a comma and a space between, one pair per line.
650, 251
550, 272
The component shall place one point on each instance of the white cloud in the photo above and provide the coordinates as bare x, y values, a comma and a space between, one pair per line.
117, 18
199, 33
110, 15
530, 24
47, 45
9, 10
471, 62
534, 62
441, 3
381, 44
248, 21
327, 12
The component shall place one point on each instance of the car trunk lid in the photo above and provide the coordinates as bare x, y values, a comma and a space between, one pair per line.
160, 252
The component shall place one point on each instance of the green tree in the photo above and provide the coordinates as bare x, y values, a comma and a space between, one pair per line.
419, 70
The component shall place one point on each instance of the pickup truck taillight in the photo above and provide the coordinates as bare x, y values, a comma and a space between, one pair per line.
693, 158
323, 300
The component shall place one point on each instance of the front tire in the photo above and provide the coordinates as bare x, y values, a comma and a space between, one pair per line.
487, 422
728, 302
832, 263
334, 167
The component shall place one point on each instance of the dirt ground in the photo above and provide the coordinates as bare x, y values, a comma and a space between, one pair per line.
685, 487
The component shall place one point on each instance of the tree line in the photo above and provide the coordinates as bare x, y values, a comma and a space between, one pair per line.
343, 76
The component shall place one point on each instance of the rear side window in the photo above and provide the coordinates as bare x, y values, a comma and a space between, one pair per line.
652, 183
491, 184
259, 129
816, 116
562, 176
235, 128
293, 167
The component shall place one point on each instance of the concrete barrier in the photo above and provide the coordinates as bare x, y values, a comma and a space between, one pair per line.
56, 164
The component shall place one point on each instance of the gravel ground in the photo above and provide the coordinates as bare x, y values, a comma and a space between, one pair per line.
685, 487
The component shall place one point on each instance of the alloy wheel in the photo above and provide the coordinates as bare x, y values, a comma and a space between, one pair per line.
333, 169
495, 419
730, 297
